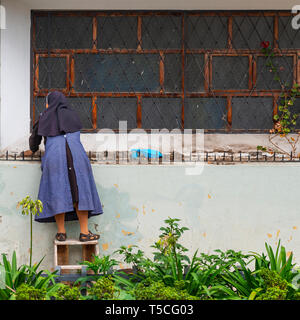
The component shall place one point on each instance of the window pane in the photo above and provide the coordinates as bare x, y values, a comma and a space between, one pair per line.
83, 107
172, 72
160, 113
229, 72
267, 79
112, 110
64, 32
206, 32
52, 73
205, 113
249, 32
194, 73
117, 32
117, 72
288, 36
160, 32
252, 113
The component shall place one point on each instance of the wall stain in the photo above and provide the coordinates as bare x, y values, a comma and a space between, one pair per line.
105, 246
127, 233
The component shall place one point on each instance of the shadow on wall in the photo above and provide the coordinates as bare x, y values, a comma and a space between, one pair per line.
118, 225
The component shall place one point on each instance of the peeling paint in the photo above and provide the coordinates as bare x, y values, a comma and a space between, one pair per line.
105, 246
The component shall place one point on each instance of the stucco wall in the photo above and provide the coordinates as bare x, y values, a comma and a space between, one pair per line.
228, 207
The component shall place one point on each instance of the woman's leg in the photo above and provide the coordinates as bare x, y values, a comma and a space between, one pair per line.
60, 221
83, 220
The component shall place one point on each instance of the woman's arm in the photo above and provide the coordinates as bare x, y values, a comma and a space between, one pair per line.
35, 139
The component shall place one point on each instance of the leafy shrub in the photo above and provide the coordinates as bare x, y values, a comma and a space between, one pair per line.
104, 289
14, 276
149, 289
66, 292
27, 292
100, 264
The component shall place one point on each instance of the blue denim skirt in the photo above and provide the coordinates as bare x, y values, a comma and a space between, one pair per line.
55, 190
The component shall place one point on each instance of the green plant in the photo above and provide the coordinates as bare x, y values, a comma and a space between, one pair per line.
136, 258
277, 261
31, 208
27, 292
101, 264
285, 119
104, 289
170, 258
150, 289
15, 276
66, 292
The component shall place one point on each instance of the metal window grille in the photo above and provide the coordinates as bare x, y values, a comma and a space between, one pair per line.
165, 69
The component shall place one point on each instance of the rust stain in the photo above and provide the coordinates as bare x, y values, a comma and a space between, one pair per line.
277, 234
269, 235
118, 215
116, 185
295, 227
209, 196
105, 246
127, 233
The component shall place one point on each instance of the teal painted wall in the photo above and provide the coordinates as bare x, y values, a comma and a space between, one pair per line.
227, 206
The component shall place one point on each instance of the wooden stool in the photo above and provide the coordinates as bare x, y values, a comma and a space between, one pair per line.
61, 254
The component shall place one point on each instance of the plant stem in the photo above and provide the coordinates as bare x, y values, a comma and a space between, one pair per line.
30, 239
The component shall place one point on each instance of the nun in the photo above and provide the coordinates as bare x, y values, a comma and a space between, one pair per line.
67, 186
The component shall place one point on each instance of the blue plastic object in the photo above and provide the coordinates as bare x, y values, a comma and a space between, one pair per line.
148, 153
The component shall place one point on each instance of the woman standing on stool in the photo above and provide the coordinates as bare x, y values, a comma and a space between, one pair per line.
67, 187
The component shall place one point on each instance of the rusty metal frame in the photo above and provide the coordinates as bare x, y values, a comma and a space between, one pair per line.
208, 56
